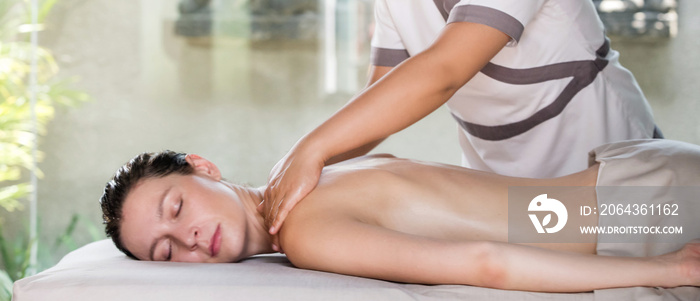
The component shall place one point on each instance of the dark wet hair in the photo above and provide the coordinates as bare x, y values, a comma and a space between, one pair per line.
143, 166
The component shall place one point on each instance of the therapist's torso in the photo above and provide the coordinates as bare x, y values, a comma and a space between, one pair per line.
553, 94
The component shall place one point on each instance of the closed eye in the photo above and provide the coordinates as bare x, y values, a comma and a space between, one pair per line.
179, 208
170, 251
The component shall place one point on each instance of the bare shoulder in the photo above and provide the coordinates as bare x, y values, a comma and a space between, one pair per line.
309, 236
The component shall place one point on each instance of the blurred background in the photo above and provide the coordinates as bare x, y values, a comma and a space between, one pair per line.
237, 82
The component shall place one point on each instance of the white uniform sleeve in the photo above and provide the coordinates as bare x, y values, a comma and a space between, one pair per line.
387, 47
508, 16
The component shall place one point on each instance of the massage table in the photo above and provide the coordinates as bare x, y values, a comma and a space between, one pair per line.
98, 271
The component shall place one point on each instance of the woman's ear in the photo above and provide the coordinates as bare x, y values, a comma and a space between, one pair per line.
203, 166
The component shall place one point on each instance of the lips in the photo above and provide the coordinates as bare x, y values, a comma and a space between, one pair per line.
215, 243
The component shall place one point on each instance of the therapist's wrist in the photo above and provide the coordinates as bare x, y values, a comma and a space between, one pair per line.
312, 149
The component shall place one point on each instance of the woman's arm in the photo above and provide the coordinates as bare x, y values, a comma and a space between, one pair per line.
408, 93
359, 249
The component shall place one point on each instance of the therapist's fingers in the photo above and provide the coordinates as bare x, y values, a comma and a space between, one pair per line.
283, 204
272, 215
261, 207
265, 205
268, 205
284, 208
278, 209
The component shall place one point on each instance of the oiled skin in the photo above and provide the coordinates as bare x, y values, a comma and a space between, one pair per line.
376, 216
425, 199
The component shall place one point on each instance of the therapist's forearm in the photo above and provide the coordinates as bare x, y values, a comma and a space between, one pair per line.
375, 74
354, 153
409, 92
395, 102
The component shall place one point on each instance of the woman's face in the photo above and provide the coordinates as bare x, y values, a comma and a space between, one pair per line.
186, 218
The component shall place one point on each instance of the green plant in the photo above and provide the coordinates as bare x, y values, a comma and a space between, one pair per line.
17, 127
5, 286
66, 239
16, 124
15, 259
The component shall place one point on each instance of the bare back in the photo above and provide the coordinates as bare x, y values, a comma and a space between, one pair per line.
420, 198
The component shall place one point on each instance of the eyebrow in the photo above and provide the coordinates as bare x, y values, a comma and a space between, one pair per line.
159, 213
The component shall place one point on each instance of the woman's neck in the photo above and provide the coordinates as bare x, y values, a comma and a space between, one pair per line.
258, 238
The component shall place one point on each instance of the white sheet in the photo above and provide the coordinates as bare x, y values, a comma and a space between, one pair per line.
98, 271
647, 163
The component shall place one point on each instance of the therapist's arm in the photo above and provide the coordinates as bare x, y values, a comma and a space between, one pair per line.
375, 73
409, 92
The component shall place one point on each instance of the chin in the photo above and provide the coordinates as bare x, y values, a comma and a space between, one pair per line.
233, 259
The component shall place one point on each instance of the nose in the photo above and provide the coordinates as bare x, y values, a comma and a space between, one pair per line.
190, 237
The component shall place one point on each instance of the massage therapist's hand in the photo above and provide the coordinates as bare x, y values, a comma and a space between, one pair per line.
290, 180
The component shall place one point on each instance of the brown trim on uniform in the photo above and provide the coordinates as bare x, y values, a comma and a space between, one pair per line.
488, 16
482, 15
387, 57
583, 73
445, 6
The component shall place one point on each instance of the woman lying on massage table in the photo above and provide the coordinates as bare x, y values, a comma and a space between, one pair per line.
381, 217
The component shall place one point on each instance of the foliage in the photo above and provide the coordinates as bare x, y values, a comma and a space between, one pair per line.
16, 124
14, 256
17, 127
